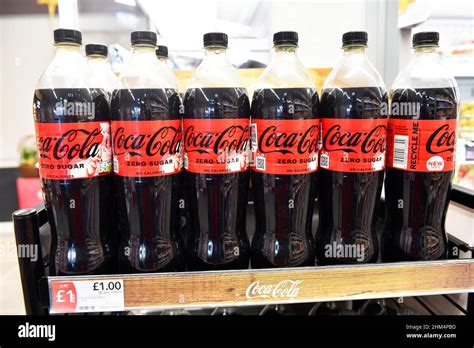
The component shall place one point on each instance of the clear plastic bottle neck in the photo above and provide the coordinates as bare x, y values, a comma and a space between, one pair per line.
355, 53
354, 69
143, 52
102, 75
285, 70
68, 69
67, 52
211, 51
143, 56
424, 70
216, 55
215, 70
96, 58
67, 48
170, 76
97, 62
286, 50
143, 70
427, 51
163, 60
286, 53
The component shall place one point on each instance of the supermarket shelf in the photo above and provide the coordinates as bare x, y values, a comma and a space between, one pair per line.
292, 285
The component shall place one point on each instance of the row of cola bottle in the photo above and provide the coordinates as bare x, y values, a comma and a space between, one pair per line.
169, 177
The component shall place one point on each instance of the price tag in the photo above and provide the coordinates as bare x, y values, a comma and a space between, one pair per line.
81, 296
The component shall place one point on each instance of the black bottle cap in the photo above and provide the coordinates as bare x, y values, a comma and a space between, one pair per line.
215, 39
162, 51
354, 38
96, 49
426, 38
285, 37
143, 38
67, 35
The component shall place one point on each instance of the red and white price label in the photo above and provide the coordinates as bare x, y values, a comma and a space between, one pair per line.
86, 296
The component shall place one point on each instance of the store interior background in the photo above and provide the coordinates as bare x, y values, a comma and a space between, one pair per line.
26, 49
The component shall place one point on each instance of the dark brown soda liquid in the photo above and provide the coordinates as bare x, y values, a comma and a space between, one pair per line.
417, 202
79, 210
217, 203
148, 207
348, 200
284, 203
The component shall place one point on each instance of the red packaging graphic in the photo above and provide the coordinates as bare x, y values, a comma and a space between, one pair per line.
353, 145
216, 146
147, 148
73, 150
285, 146
421, 145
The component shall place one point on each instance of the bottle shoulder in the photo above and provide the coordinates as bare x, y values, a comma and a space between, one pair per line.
143, 71
350, 74
65, 73
215, 72
424, 73
281, 76
135, 77
103, 77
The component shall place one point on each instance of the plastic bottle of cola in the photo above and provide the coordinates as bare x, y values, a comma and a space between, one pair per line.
285, 136
146, 133
72, 121
421, 147
352, 158
216, 160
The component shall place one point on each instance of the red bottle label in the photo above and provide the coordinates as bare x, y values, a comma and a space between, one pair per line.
73, 150
147, 148
421, 145
216, 146
353, 145
285, 146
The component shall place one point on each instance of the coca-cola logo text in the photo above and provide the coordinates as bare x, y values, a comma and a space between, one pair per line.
233, 138
72, 144
441, 140
304, 142
165, 140
365, 142
284, 289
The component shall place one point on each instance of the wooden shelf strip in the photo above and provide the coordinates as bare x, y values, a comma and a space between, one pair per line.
291, 285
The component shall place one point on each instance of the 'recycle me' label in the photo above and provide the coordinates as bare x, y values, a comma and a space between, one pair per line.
353, 145
216, 146
73, 150
285, 146
147, 148
81, 296
421, 145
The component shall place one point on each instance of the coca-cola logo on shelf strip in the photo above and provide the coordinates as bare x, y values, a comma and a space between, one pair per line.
284, 289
